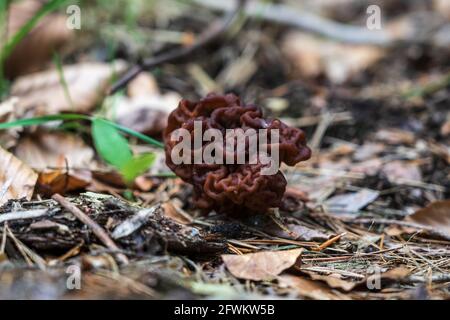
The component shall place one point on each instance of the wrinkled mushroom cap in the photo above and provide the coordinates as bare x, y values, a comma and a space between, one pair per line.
233, 188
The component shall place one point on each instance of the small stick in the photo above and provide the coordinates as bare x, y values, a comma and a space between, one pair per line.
350, 257
19, 215
95, 227
211, 33
329, 242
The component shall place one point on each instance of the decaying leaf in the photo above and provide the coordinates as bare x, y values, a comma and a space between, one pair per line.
146, 109
37, 48
309, 288
61, 159
313, 56
261, 265
435, 215
8, 138
43, 93
399, 171
333, 280
17, 180
296, 232
351, 202
49, 150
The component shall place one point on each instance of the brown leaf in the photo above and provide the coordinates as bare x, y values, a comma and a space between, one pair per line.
435, 215
260, 266
333, 280
51, 154
44, 150
36, 49
59, 181
309, 288
43, 92
17, 180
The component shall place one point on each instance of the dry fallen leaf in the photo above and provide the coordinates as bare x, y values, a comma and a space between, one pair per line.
43, 150
351, 202
313, 56
8, 138
52, 154
146, 109
435, 215
261, 265
400, 171
43, 92
296, 232
37, 48
17, 180
309, 288
334, 281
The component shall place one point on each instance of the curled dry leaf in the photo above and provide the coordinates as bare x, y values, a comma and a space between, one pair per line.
43, 93
36, 49
261, 266
17, 180
435, 215
313, 56
61, 159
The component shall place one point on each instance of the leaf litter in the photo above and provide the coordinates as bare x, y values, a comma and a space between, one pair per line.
372, 197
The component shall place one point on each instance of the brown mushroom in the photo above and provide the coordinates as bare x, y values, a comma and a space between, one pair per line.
233, 188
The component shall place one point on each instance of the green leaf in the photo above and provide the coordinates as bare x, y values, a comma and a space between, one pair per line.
137, 165
110, 144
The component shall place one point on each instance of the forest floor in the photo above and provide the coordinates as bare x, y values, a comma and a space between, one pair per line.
373, 223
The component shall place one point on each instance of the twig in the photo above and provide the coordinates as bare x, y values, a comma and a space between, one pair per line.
23, 215
350, 257
329, 242
286, 15
130, 225
330, 270
438, 278
212, 32
95, 227
324, 123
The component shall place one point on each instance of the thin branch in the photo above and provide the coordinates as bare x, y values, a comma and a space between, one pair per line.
20, 215
286, 15
211, 33
95, 227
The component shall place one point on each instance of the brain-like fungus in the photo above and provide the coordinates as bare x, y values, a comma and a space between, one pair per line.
226, 184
